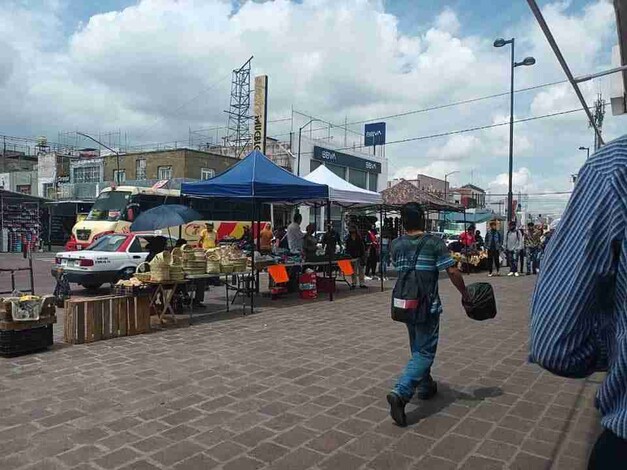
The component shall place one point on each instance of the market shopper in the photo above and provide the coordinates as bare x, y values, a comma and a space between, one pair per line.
356, 249
513, 246
331, 241
373, 253
295, 236
479, 242
522, 254
423, 336
468, 241
532, 248
310, 244
579, 306
494, 244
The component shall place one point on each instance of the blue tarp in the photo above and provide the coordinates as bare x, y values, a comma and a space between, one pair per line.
257, 177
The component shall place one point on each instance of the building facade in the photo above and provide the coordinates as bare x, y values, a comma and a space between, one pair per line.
165, 165
469, 196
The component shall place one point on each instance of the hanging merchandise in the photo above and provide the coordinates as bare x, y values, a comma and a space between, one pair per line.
20, 225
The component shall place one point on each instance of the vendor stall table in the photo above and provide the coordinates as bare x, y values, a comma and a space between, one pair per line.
162, 296
242, 283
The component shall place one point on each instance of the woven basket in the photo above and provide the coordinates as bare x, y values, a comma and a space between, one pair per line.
177, 273
141, 275
187, 252
177, 255
161, 259
200, 255
195, 267
226, 268
213, 266
160, 273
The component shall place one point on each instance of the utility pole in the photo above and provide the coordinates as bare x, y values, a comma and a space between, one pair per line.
598, 116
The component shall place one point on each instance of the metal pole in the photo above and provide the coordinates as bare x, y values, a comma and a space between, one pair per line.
510, 196
381, 246
32, 277
330, 255
560, 58
300, 130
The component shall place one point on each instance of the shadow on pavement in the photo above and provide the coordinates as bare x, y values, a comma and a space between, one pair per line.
445, 397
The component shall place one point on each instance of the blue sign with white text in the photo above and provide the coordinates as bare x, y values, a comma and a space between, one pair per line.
374, 134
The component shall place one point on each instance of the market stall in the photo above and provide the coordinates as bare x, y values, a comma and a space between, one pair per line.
258, 180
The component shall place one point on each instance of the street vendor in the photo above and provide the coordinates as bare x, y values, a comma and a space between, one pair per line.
155, 246
330, 241
265, 240
208, 237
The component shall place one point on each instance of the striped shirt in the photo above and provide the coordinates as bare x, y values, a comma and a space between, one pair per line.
579, 307
434, 257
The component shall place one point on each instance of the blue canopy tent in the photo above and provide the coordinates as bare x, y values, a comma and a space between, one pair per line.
259, 180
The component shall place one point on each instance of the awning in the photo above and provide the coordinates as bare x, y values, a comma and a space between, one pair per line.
257, 178
341, 191
405, 192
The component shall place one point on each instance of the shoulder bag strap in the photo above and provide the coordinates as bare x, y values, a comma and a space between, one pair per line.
419, 248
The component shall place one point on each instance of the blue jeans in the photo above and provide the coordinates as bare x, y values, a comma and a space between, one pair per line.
532, 259
385, 260
423, 341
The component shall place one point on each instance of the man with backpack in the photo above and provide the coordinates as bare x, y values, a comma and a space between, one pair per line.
513, 246
418, 258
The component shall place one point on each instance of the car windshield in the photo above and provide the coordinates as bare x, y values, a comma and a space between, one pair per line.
109, 206
107, 243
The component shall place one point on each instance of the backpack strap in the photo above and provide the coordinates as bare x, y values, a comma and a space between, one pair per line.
419, 248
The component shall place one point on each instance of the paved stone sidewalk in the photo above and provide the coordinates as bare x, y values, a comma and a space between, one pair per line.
294, 388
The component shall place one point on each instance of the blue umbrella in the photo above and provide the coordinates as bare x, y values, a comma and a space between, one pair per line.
168, 215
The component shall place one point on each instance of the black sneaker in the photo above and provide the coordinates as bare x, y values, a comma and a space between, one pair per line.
428, 390
397, 409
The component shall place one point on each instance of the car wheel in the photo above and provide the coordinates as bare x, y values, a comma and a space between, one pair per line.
92, 287
127, 273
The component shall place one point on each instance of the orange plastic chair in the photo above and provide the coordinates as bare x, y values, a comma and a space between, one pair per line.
346, 267
278, 273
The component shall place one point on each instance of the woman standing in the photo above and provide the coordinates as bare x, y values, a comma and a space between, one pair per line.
373, 253
356, 249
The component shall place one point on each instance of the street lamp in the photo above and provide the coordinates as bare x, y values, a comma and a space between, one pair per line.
586, 149
117, 154
526, 62
300, 130
445, 180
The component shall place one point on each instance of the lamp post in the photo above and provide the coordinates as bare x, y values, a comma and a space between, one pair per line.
300, 130
117, 154
587, 149
527, 62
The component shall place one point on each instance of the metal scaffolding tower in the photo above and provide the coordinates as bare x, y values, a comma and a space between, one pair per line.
238, 124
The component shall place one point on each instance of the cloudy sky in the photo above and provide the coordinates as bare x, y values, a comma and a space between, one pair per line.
156, 68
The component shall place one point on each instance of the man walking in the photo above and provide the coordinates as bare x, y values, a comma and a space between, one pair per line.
579, 307
494, 243
423, 336
532, 245
513, 245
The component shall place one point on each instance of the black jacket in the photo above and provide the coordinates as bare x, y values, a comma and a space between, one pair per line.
355, 248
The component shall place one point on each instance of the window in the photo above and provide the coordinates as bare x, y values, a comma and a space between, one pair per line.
86, 174
207, 173
372, 181
338, 170
140, 169
48, 190
358, 177
108, 243
119, 176
23, 188
164, 172
314, 164
109, 205
136, 246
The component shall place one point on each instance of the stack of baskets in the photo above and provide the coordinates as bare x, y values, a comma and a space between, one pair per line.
194, 260
160, 267
213, 261
141, 274
234, 265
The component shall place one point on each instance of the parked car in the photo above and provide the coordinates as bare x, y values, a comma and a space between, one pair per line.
107, 260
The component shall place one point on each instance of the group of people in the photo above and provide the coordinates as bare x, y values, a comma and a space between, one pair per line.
519, 245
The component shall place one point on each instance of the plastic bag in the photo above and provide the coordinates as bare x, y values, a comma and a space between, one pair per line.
481, 304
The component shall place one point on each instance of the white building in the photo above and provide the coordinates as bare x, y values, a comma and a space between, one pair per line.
362, 169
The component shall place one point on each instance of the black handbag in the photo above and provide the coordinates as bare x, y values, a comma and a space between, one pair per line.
411, 303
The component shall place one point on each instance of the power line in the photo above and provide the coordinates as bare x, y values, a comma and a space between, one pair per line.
463, 131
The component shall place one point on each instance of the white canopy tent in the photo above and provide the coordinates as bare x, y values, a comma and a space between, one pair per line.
341, 192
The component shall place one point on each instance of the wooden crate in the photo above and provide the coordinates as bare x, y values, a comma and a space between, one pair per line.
97, 318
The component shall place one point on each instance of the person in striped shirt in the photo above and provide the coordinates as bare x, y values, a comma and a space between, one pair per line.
579, 306
423, 337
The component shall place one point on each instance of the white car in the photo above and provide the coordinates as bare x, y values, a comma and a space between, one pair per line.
107, 260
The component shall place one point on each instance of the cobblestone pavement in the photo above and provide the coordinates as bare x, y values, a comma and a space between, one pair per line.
299, 385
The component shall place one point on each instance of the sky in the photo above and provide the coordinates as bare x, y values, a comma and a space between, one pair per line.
154, 69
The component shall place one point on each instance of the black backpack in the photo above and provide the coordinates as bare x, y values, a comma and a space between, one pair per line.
411, 302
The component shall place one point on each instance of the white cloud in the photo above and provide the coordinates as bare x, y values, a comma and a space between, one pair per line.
133, 69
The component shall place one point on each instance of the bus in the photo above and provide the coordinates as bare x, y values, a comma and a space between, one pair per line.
115, 209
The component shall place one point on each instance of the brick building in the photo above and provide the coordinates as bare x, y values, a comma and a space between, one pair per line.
166, 164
